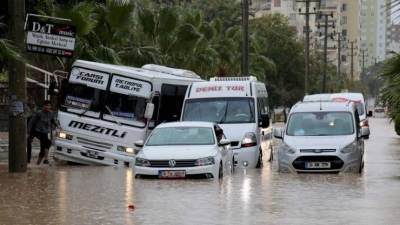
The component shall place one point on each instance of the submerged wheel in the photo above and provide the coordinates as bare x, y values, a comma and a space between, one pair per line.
259, 161
233, 165
220, 171
271, 155
360, 170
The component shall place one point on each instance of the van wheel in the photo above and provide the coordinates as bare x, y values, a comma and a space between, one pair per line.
271, 155
233, 165
220, 171
259, 161
360, 170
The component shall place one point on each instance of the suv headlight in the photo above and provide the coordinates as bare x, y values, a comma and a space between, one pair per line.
352, 147
249, 140
63, 135
287, 149
205, 161
142, 162
126, 149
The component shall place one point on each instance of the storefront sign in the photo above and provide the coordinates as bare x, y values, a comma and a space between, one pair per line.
91, 78
128, 86
49, 36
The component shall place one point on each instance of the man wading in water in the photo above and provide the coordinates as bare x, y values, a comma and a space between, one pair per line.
40, 127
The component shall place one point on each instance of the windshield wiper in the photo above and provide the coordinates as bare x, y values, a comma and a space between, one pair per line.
112, 115
225, 112
84, 112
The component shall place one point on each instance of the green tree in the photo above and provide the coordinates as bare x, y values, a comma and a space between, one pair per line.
391, 90
277, 42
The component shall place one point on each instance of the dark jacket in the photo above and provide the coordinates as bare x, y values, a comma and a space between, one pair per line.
41, 122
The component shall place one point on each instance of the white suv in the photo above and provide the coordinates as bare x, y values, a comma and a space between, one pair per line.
322, 137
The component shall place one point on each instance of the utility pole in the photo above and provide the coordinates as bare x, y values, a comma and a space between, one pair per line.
363, 51
17, 91
339, 40
307, 40
326, 24
352, 54
245, 38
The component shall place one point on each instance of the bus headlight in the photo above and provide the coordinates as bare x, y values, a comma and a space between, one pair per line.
64, 135
126, 149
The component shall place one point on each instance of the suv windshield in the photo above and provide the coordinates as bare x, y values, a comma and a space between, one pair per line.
80, 98
181, 136
320, 124
126, 109
220, 110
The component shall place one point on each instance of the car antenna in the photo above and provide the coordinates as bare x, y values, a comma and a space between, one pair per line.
320, 104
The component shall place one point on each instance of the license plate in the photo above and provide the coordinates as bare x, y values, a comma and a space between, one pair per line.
171, 174
318, 165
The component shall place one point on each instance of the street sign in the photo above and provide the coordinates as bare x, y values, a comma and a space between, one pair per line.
49, 35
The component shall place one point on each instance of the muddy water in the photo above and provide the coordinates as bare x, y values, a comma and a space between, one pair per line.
101, 195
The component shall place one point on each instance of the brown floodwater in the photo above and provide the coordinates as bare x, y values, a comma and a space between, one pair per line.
65, 194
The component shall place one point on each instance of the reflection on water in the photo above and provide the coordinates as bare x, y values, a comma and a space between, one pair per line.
101, 195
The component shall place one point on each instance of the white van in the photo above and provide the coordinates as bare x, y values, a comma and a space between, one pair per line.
240, 106
322, 137
106, 108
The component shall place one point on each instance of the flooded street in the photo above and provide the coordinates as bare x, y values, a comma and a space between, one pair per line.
101, 195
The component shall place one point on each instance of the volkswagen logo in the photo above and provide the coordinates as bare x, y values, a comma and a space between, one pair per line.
172, 163
317, 150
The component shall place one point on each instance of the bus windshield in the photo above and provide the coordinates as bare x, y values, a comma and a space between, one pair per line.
220, 110
82, 99
126, 109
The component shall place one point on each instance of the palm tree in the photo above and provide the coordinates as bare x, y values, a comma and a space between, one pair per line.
7, 52
391, 90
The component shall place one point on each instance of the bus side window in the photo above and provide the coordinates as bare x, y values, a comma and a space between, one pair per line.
171, 103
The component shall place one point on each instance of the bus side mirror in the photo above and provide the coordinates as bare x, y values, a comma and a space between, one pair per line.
370, 113
148, 113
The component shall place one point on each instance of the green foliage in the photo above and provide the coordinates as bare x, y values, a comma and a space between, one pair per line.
391, 91
7, 49
397, 124
3, 76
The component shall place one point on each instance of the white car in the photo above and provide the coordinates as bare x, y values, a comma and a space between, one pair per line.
379, 112
184, 149
322, 137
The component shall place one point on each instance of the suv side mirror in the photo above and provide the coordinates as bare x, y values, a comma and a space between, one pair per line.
224, 142
369, 113
139, 143
148, 113
264, 121
278, 133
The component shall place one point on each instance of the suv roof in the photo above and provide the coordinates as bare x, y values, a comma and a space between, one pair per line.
322, 106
